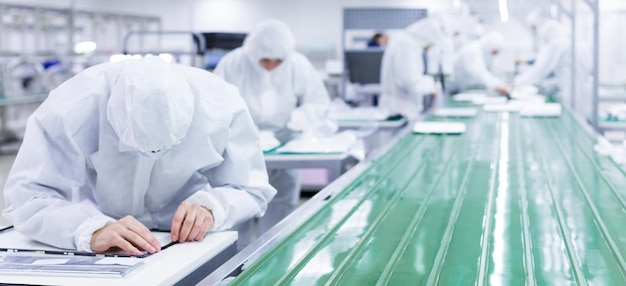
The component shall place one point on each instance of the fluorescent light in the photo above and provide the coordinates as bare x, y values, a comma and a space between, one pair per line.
117, 58
84, 47
120, 57
504, 11
166, 57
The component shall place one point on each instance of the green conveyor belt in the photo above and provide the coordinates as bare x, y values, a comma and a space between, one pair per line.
512, 201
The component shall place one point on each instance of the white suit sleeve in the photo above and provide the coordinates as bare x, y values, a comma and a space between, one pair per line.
409, 74
478, 68
313, 98
220, 69
447, 56
441, 56
239, 185
309, 85
47, 177
546, 62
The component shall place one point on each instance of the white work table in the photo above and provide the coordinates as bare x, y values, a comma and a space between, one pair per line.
337, 163
181, 264
381, 124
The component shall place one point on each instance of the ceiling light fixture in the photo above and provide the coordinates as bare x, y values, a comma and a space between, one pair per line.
504, 11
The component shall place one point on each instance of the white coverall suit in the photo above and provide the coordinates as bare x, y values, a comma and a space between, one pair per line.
555, 57
403, 82
137, 138
272, 96
472, 61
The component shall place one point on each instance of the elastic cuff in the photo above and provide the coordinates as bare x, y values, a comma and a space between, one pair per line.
203, 198
82, 236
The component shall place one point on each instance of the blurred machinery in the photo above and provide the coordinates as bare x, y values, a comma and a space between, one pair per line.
40, 47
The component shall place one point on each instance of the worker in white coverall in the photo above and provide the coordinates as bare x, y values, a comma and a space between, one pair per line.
403, 80
129, 146
472, 64
555, 57
275, 81
440, 59
535, 20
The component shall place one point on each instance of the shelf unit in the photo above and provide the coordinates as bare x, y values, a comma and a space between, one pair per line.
34, 30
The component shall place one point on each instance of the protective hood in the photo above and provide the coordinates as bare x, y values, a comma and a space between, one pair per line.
151, 105
537, 17
271, 39
427, 31
491, 41
444, 22
551, 30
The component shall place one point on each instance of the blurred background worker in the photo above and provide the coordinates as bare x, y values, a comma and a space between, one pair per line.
403, 80
275, 81
125, 147
440, 58
534, 20
379, 40
555, 58
472, 64
464, 29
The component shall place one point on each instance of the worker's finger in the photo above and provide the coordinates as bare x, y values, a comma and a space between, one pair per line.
126, 245
206, 225
178, 219
137, 227
112, 236
188, 223
197, 227
138, 241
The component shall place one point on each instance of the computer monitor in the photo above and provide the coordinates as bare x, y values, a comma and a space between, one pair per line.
219, 44
223, 41
363, 66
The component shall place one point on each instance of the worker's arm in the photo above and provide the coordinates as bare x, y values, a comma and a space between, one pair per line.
308, 83
485, 76
46, 186
239, 187
409, 72
546, 63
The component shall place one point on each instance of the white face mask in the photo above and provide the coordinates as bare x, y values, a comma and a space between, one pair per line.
157, 154
154, 155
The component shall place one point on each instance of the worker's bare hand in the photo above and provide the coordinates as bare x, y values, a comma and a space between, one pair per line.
128, 234
503, 90
191, 222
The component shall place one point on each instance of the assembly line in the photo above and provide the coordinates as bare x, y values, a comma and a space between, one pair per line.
464, 142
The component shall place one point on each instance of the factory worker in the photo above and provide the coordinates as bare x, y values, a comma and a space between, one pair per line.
555, 57
129, 146
378, 40
276, 82
403, 80
464, 30
440, 57
473, 61
534, 20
